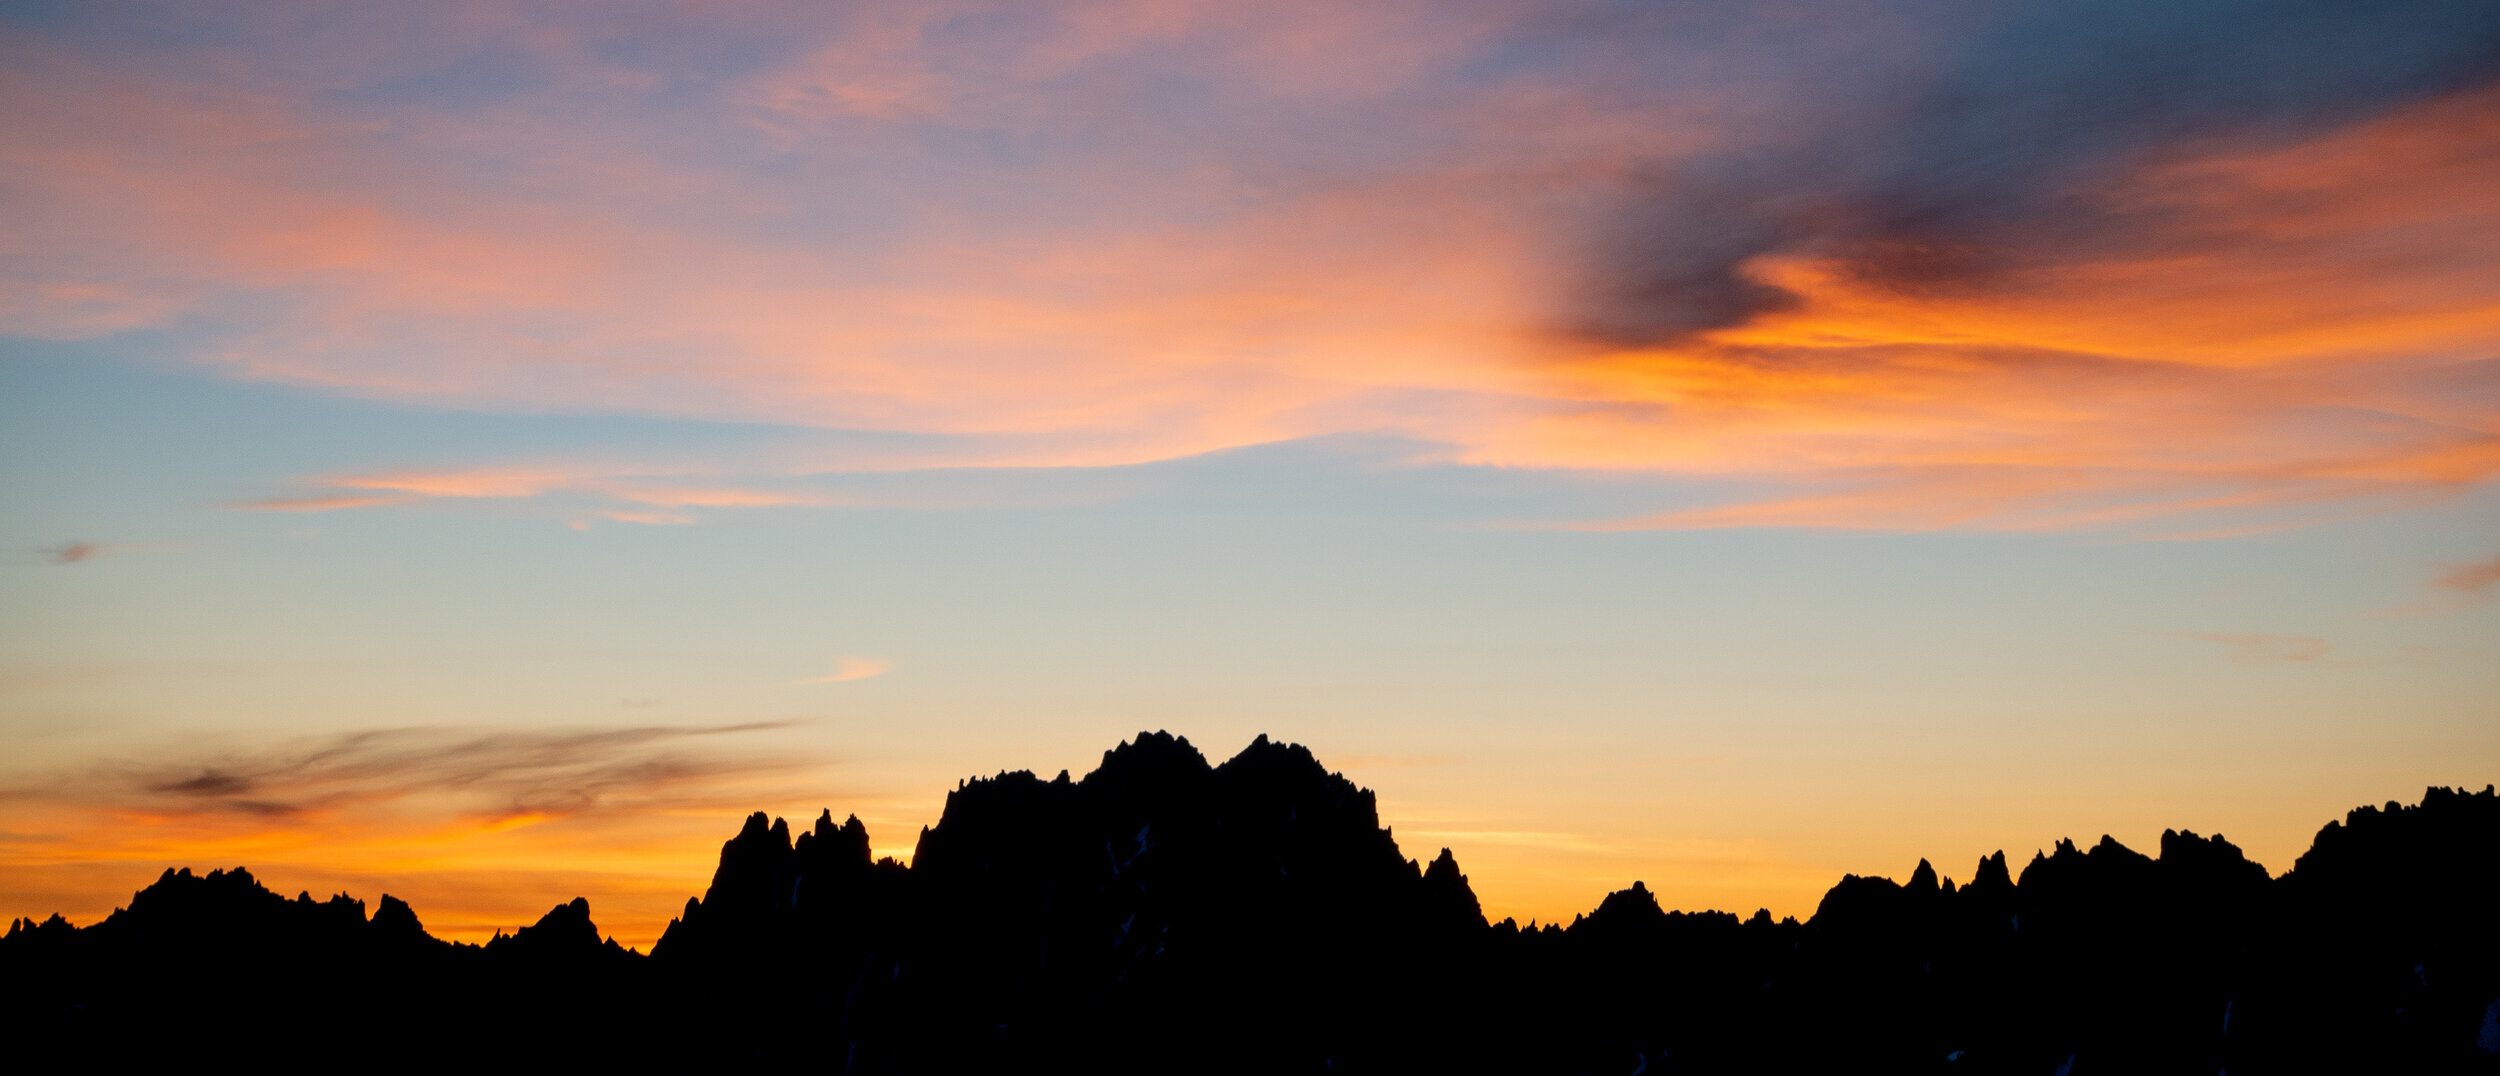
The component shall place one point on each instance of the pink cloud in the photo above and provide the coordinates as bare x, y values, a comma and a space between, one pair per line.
75, 552
1177, 292
678, 496
2475, 578
657, 499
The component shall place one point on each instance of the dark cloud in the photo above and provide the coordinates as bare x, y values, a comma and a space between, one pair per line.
504, 773
1991, 157
208, 783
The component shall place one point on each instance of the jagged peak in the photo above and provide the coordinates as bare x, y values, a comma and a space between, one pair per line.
576, 910
1010, 793
825, 842
392, 915
54, 926
757, 825
1003, 779
1265, 752
1923, 879
2110, 849
1448, 886
2431, 835
1992, 873
1150, 751
565, 927
1636, 904
1294, 766
2184, 844
236, 877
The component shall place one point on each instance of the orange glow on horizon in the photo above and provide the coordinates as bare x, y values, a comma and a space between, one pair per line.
469, 878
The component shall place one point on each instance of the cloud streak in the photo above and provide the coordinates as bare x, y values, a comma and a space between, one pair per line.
2476, 578
481, 828
635, 497
82, 552
531, 774
75, 552
853, 668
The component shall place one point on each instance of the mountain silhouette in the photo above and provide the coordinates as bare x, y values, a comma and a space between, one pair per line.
1167, 915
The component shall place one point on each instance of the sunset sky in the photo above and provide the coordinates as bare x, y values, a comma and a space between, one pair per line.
479, 454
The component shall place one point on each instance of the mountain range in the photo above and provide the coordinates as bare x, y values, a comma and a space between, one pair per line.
1166, 914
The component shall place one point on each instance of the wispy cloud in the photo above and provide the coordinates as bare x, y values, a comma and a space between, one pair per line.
82, 552
2460, 586
2262, 647
853, 668
74, 552
481, 828
2476, 578
2246, 285
645, 497
499, 774
801, 469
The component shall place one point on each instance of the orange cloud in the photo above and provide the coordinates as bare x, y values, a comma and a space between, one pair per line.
666, 496
2255, 337
853, 668
75, 552
2474, 578
482, 829
659, 498
488, 483
2279, 360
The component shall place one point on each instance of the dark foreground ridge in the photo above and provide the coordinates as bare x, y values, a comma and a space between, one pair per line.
1165, 915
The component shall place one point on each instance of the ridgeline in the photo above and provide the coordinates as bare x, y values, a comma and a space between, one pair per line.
1167, 915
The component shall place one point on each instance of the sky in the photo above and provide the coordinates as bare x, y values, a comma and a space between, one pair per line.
480, 454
